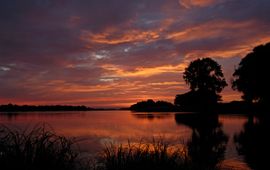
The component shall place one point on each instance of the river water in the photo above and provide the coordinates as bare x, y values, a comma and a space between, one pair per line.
93, 129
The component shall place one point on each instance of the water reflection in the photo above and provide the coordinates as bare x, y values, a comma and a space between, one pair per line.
9, 115
152, 116
205, 136
207, 144
253, 142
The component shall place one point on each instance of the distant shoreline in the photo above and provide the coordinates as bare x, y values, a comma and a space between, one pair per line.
47, 108
234, 107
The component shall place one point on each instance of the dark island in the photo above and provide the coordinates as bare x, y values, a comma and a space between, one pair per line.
152, 106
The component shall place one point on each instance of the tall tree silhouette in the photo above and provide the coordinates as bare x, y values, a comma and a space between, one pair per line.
251, 76
206, 80
205, 74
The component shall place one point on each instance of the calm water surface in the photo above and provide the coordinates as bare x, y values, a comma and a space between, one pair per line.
94, 128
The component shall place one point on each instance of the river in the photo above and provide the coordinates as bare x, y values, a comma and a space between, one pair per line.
93, 129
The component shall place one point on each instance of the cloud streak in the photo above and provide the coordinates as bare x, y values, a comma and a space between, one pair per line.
112, 53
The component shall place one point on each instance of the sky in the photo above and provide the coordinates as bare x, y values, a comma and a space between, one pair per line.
113, 53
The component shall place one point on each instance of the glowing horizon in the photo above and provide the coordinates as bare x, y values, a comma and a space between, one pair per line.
115, 53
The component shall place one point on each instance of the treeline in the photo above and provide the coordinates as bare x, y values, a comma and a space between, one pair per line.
234, 107
27, 108
152, 106
206, 81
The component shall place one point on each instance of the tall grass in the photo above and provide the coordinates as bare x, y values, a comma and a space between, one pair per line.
41, 149
37, 149
157, 155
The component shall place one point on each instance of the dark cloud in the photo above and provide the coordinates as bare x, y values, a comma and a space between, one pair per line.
90, 51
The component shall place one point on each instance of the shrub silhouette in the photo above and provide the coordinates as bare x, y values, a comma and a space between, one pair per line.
150, 106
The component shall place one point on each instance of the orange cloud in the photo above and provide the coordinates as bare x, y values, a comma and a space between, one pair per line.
143, 71
113, 37
207, 30
166, 83
122, 93
238, 50
126, 87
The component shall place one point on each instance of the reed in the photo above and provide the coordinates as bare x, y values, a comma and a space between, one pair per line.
36, 149
157, 155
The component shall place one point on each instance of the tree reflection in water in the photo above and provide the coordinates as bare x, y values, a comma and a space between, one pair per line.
207, 145
253, 142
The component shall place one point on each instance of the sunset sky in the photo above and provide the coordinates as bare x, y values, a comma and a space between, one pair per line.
113, 53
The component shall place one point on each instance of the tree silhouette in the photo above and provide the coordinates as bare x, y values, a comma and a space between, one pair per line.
206, 80
251, 76
205, 74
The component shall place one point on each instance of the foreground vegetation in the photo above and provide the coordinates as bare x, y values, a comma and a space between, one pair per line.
42, 149
156, 155
37, 149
